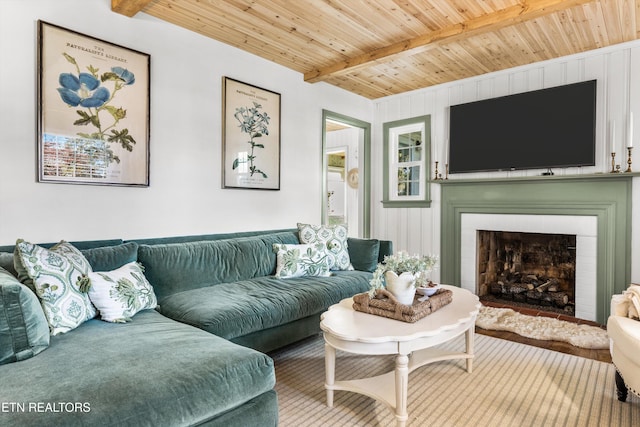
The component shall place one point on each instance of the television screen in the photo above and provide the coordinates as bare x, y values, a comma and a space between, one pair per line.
547, 128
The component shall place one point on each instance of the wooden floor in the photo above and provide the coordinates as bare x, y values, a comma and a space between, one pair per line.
600, 355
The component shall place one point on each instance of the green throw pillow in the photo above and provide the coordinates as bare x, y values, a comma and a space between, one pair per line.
300, 260
364, 253
56, 275
24, 331
121, 293
334, 240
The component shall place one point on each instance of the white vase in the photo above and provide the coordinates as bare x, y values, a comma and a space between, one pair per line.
402, 286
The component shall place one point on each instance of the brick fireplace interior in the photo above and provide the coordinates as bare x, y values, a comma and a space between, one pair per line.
532, 270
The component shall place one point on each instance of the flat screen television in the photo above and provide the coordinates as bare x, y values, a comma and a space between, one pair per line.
542, 129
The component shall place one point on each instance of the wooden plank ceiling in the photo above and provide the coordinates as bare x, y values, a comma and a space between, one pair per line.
377, 48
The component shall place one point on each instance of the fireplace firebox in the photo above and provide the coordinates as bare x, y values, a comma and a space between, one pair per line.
532, 270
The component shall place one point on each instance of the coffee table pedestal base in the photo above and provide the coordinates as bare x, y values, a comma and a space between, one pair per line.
391, 388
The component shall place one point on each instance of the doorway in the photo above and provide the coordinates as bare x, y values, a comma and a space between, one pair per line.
345, 172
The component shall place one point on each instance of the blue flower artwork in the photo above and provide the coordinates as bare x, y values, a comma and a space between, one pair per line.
93, 94
93, 110
83, 90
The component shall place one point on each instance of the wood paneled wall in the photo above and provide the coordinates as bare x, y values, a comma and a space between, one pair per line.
617, 70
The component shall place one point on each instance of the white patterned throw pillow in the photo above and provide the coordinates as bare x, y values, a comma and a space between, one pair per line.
333, 238
300, 260
57, 275
121, 293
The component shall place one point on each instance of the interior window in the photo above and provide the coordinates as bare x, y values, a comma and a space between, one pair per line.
407, 145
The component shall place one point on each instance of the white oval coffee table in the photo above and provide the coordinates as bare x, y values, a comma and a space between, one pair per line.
362, 333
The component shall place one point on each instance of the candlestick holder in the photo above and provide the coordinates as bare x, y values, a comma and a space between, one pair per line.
629, 159
446, 171
613, 164
436, 175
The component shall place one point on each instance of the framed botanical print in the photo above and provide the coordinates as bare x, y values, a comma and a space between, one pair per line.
250, 137
93, 110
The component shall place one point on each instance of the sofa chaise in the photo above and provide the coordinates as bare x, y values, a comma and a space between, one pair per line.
198, 358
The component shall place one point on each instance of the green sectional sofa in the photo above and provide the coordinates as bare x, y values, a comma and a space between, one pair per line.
197, 359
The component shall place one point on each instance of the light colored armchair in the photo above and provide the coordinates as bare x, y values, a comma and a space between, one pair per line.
623, 327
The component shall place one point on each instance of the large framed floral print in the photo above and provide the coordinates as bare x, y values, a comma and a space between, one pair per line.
250, 137
93, 110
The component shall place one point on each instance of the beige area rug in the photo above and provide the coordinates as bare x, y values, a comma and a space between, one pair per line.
512, 385
542, 328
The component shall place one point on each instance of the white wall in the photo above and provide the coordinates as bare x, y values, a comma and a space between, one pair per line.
185, 195
616, 69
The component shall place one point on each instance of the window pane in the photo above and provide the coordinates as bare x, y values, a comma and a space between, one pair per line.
414, 188
410, 147
404, 155
416, 153
403, 174
413, 173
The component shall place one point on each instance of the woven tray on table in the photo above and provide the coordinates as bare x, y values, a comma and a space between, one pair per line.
386, 305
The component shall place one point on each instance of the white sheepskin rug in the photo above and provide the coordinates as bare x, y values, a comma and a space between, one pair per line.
542, 328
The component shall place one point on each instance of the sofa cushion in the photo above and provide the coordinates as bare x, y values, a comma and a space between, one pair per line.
121, 293
261, 411
151, 371
300, 260
364, 253
176, 267
107, 254
82, 244
334, 240
235, 309
202, 237
24, 331
55, 275
109, 258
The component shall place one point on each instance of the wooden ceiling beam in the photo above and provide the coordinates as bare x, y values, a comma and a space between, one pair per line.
128, 7
524, 11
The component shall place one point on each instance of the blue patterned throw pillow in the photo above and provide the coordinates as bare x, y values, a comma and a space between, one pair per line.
334, 240
56, 275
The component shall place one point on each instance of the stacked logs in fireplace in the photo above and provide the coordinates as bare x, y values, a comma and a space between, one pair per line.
531, 289
527, 269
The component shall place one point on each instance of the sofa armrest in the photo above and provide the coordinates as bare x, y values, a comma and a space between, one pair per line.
619, 305
627, 304
24, 331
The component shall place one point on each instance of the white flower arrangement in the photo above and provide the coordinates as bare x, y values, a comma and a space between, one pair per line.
400, 263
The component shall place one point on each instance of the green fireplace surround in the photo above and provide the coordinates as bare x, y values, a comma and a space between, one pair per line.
606, 196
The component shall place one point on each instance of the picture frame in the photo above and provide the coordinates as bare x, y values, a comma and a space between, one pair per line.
250, 136
93, 110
